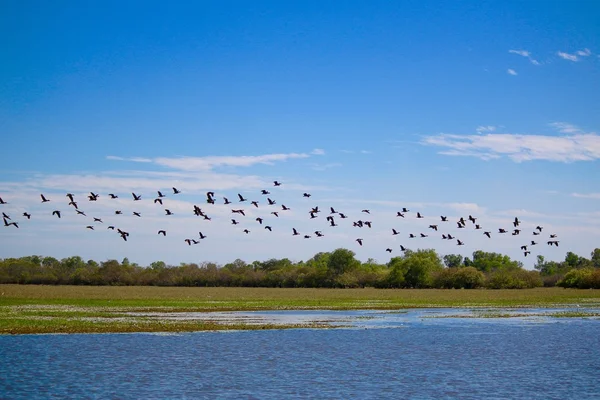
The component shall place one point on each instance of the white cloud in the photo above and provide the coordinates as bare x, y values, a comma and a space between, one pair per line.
488, 128
511, 71
567, 56
565, 127
518, 147
584, 52
207, 163
587, 195
527, 54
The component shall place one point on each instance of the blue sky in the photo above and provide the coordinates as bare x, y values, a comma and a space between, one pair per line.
482, 108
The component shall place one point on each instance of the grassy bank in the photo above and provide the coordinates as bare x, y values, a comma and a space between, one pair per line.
70, 309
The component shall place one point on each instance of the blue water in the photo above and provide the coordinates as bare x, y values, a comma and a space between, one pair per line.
416, 358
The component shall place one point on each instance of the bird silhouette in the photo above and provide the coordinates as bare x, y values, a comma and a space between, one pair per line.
402, 248
487, 234
395, 232
136, 197
2, 201
162, 232
360, 241
459, 243
306, 195
226, 200
366, 211
160, 194
90, 227
27, 215
113, 196
44, 199
79, 212
176, 191
241, 198
276, 183
271, 202
5, 216
254, 203
295, 232
399, 214
388, 250
275, 213
168, 212
265, 192
98, 220
260, 220
159, 201
201, 235
137, 214
70, 196
444, 219
246, 231
284, 208
234, 222
6, 223
434, 227
56, 212
525, 253
419, 215
74, 204
239, 212
269, 228
319, 233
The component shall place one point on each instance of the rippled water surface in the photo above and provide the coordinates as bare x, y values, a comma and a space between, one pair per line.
417, 357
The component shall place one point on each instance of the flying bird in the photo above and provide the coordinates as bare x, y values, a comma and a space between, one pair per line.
241, 198
276, 183
27, 215
113, 196
162, 232
136, 197
360, 241
2, 201
295, 232
306, 195
159, 201
44, 199
176, 191
56, 212
137, 214
98, 220
269, 228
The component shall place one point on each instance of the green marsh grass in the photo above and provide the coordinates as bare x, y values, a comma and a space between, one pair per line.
70, 309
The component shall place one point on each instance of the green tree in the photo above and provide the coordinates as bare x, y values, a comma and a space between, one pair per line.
342, 260
453, 260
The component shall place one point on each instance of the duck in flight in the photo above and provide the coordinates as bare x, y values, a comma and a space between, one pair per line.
44, 199
176, 191
136, 197
241, 197
360, 241
27, 215
56, 212
162, 232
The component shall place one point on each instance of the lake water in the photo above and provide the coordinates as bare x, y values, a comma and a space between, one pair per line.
376, 355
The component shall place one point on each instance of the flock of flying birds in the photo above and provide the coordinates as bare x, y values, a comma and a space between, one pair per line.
332, 218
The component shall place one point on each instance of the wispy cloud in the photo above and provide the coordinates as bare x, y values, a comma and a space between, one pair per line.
567, 56
323, 167
485, 129
511, 71
587, 195
518, 147
185, 163
564, 127
584, 52
527, 54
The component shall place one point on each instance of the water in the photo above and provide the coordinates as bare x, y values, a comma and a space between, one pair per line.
416, 357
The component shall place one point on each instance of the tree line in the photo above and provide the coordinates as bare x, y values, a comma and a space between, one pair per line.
422, 268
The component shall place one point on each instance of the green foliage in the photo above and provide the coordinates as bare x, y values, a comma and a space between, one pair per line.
453, 260
459, 278
585, 278
513, 279
489, 262
337, 269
